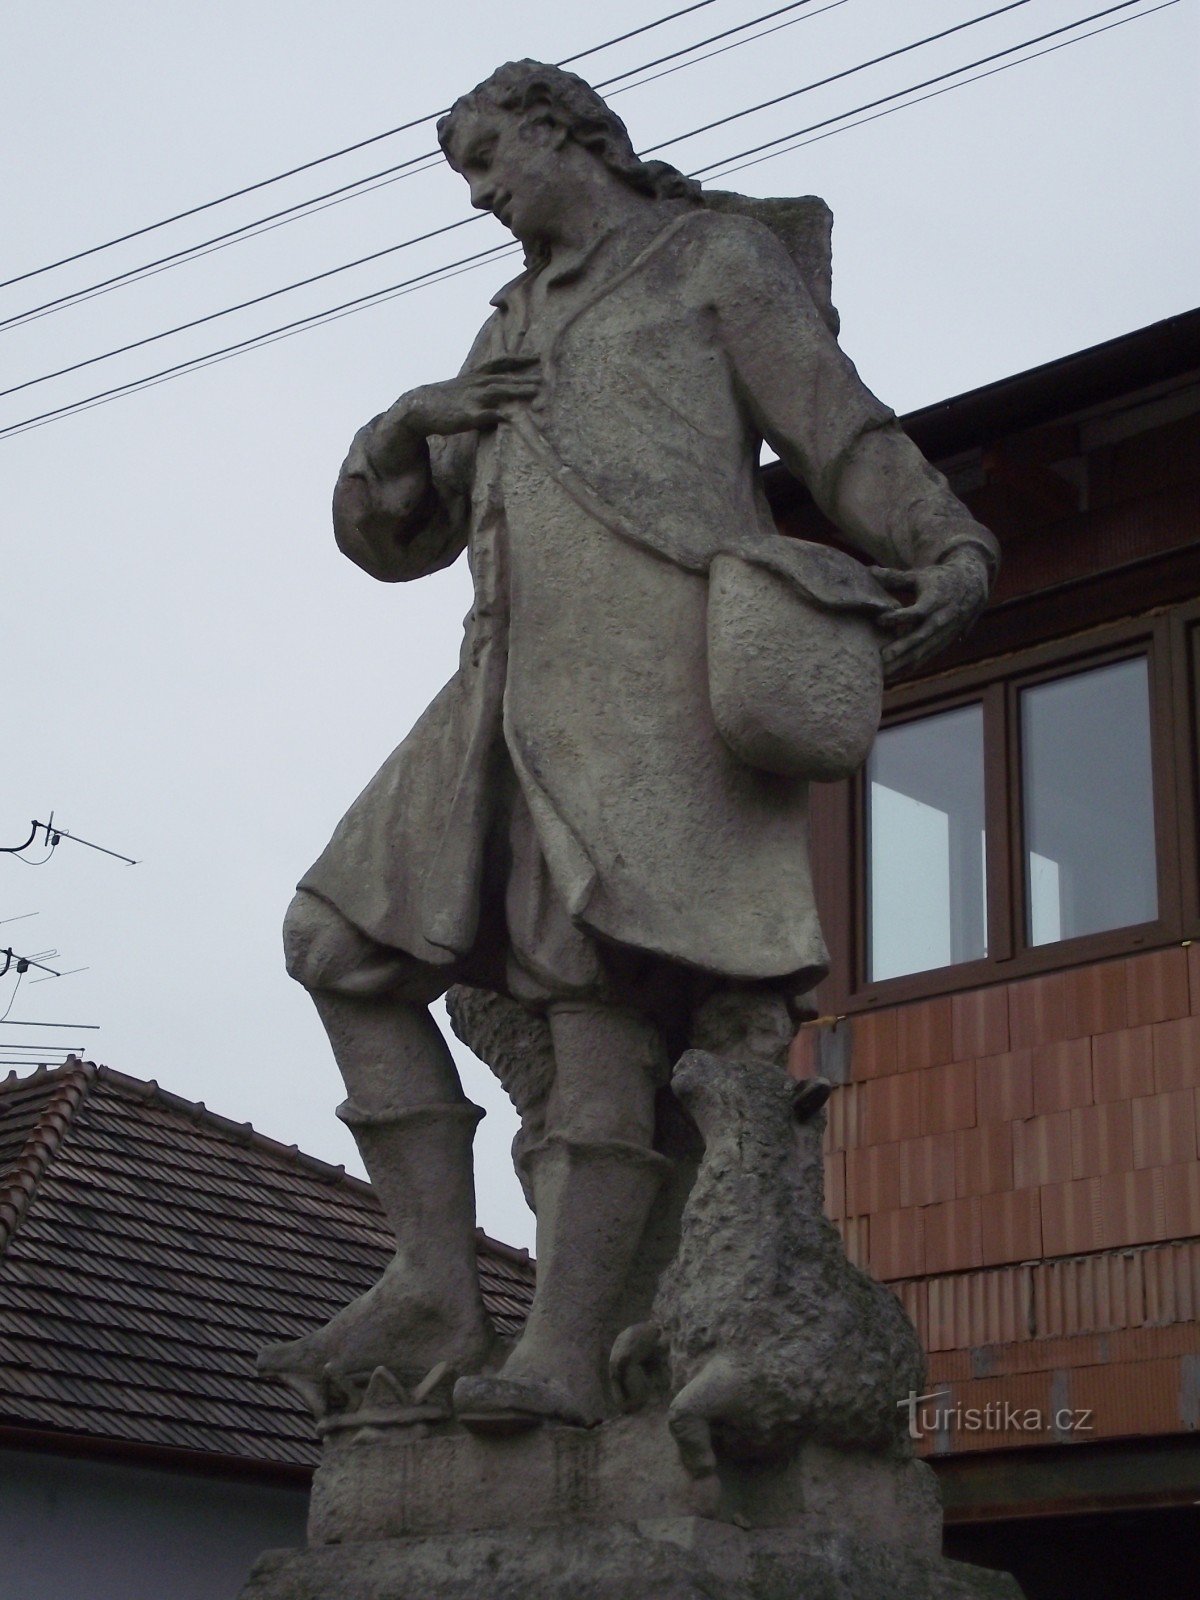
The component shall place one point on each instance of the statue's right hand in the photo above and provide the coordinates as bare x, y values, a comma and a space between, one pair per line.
475, 400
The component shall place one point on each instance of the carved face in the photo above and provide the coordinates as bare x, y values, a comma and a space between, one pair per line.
514, 168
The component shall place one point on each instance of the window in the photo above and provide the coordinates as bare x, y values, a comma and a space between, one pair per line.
926, 844
1023, 814
1088, 803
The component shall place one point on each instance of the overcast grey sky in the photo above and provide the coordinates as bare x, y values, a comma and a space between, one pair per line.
193, 674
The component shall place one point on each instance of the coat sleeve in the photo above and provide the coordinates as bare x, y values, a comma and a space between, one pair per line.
810, 405
413, 523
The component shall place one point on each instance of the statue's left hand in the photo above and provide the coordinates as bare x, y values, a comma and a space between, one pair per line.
946, 599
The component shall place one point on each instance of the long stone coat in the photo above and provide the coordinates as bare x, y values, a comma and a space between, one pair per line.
590, 520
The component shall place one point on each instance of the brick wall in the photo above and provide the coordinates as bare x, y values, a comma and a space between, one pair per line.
1022, 1164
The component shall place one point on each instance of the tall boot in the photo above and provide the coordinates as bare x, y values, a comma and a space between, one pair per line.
592, 1204
427, 1307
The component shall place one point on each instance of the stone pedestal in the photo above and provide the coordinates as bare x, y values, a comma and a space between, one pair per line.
609, 1514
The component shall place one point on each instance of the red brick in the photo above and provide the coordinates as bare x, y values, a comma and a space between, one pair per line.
979, 1023
1024, 1395
1101, 1139
1132, 1208
873, 1179
927, 1169
873, 1044
891, 1109
1037, 1011
1193, 955
914, 1297
1042, 1355
1071, 1217
1143, 1344
802, 1055
1004, 1086
856, 1236
1062, 1075
949, 1366
953, 1238
1088, 1293
1129, 1398
1011, 1226
1123, 1064
1164, 1128
1156, 986
948, 1097
1096, 999
1177, 1054
1042, 1150
969, 1309
835, 1184
844, 1128
896, 1246
983, 1158
924, 1034
1181, 1200
1171, 1277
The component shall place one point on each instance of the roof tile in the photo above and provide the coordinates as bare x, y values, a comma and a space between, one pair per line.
149, 1247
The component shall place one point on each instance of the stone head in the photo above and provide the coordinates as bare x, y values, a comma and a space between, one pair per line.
745, 1096
525, 136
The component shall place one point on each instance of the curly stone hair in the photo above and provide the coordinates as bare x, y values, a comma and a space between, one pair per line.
523, 86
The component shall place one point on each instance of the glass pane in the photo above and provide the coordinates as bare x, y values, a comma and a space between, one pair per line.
926, 844
1089, 803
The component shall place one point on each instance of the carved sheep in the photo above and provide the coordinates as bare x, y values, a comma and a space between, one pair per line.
770, 1335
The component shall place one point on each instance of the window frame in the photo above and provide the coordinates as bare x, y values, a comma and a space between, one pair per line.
1184, 625
1169, 638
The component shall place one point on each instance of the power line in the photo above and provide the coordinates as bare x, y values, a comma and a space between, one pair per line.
404, 244
713, 38
307, 166
455, 269
498, 252
247, 230
411, 167
996, 55
242, 305
847, 72
736, 45
41, 1048
437, 274
1063, 44
84, 1027
359, 302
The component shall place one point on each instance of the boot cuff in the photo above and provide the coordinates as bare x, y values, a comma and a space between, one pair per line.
581, 1152
356, 1116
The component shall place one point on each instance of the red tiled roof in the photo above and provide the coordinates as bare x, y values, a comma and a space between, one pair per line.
148, 1248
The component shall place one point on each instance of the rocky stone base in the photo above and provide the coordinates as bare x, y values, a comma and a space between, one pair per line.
677, 1558
608, 1513
398, 1482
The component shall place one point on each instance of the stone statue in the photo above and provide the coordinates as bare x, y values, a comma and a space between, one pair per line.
768, 1334
601, 820
594, 843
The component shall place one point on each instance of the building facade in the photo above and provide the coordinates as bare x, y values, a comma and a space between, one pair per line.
1011, 891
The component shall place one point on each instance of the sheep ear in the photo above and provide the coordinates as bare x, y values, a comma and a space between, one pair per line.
809, 1096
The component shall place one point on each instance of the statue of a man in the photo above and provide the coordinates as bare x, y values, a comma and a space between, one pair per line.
565, 825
